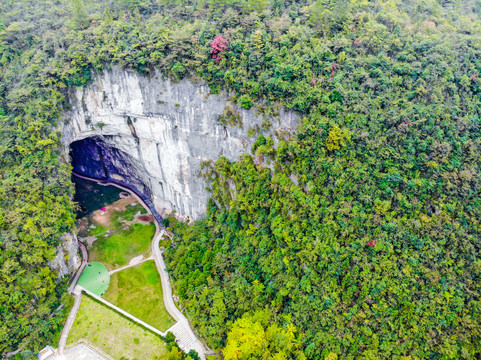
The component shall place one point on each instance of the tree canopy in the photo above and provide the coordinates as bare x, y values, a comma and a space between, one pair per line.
361, 229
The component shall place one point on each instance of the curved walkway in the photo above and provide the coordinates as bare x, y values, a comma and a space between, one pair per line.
185, 337
70, 319
76, 305
183, 332
131, 189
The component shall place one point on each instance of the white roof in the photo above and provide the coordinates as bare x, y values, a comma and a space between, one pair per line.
46, 353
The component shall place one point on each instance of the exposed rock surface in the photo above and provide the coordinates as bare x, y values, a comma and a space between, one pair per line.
154, 134
66, 260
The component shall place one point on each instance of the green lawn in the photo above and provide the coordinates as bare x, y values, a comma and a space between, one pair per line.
127, 214
98, 230
119, 248
95, 278
114, 334
138, 290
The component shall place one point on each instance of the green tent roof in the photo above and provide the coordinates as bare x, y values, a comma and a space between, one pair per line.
95, 278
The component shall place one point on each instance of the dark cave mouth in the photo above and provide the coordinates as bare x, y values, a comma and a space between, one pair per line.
96, 157
86, 157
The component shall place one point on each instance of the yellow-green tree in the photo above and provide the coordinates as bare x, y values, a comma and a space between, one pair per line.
255, 336
336, 138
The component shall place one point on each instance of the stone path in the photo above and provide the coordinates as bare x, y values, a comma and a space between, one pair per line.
85, 259
131, 264
184, 335
76, 305
70, 319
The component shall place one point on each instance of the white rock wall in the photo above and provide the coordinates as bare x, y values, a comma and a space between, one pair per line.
67, 259
176, 128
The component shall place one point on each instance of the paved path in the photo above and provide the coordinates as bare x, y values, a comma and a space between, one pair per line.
85, 259
77, 298
184, 335
131, 265
70, 319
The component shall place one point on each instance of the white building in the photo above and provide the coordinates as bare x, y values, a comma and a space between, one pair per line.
47, 353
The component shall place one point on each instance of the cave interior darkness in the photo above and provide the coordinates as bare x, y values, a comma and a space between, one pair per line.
96, 158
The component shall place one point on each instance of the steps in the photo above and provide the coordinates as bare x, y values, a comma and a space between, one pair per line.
185, 340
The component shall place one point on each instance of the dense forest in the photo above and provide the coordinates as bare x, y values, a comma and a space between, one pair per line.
357, 237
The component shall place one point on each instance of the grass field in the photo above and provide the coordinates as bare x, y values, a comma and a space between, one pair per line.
138, 290
127, 214
119, 248
114, 334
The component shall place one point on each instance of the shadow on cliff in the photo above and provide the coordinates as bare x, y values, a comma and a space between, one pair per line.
94, 157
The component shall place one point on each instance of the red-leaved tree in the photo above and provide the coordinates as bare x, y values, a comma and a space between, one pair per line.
217, 47
372, 243
333, 69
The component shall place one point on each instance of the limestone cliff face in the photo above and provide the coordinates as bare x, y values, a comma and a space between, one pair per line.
154, 134
66, 260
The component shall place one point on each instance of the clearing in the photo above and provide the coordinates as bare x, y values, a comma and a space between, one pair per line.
117, 248
114, 334
118, 233
138, 290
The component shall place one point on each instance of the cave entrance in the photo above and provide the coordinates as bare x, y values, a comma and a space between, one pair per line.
92, 196
98, 158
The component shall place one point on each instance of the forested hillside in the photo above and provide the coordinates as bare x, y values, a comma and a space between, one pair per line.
357, 237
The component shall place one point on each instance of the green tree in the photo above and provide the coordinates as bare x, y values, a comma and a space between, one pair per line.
255, 336
174, 354
255, 5
80, 17
108, 18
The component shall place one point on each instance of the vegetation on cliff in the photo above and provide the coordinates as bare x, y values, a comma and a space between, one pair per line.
359, 233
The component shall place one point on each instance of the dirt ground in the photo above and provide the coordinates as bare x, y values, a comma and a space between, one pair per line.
83, 226
144, 219
104, 217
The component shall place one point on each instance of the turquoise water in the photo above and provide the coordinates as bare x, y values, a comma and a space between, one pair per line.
92, 196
